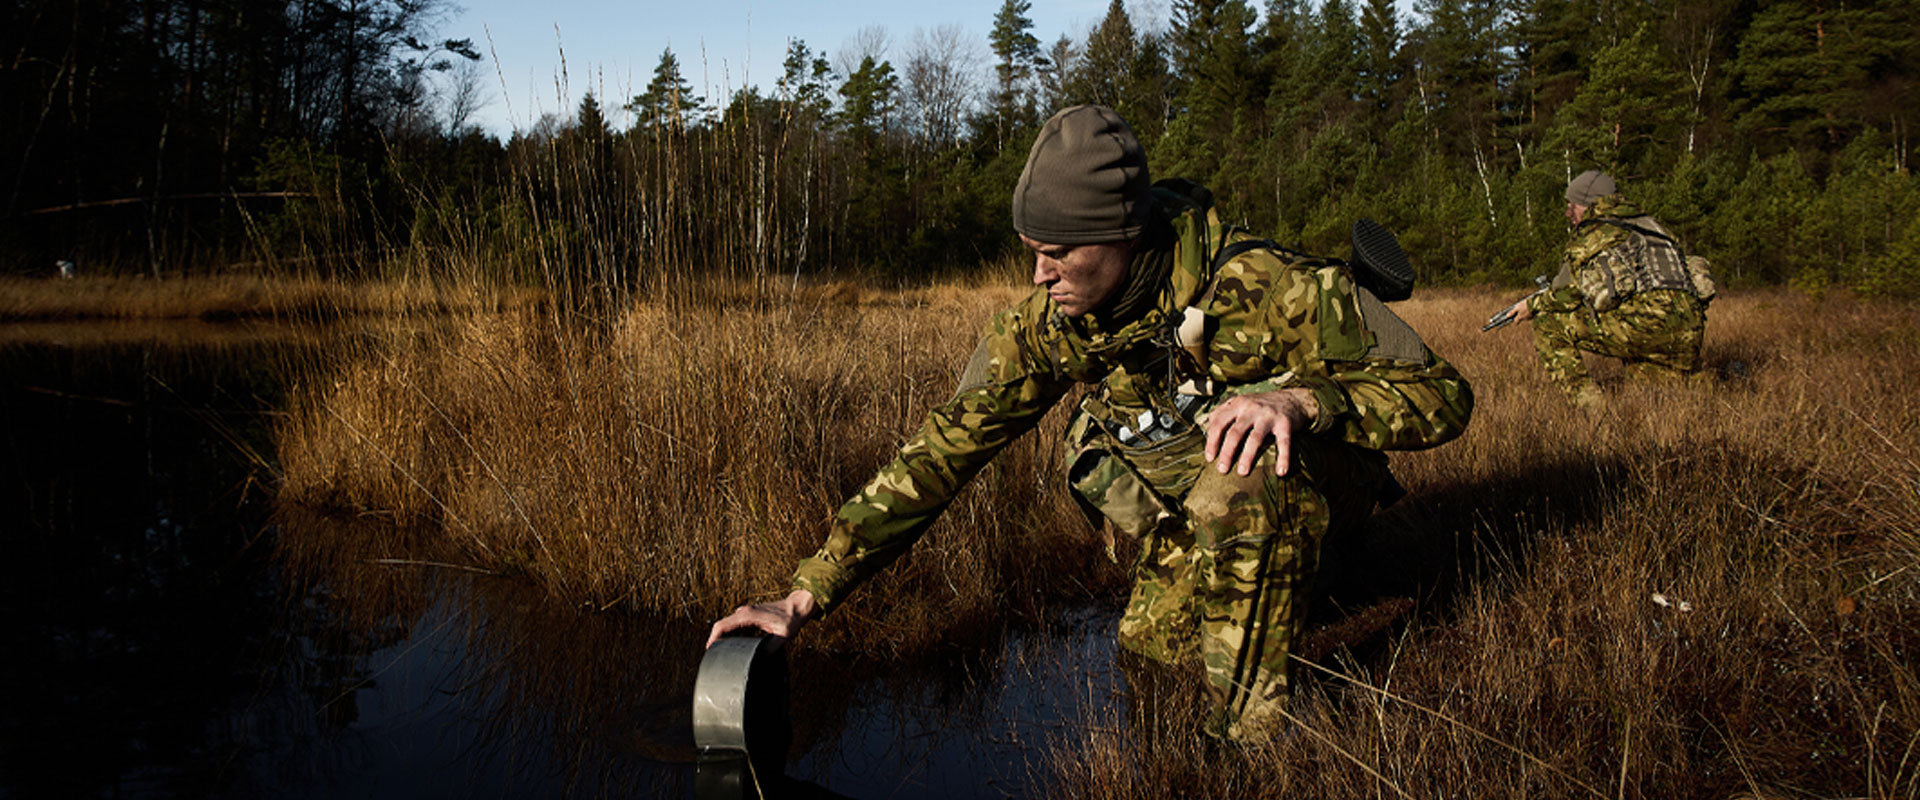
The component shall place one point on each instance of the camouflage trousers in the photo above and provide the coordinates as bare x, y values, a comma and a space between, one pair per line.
1228, 582
1656, 335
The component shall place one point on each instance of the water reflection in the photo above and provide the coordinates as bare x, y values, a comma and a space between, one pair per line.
166, 637
135, 591
589, 702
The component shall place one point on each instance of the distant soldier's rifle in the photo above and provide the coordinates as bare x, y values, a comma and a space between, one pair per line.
1505, 317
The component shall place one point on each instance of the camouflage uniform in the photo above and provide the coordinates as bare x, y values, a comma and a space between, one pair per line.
1225, 558
1620, 294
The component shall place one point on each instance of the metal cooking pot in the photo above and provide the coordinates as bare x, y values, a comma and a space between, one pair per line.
740, 720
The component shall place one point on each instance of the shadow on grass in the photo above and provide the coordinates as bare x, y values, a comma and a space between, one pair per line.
1424, 551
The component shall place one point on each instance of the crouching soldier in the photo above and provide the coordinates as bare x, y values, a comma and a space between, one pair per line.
1242, 397
1625, 289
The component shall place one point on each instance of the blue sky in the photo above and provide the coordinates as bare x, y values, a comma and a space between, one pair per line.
611, 47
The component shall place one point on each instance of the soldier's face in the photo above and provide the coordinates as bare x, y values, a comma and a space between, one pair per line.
1575, 212
1080, 277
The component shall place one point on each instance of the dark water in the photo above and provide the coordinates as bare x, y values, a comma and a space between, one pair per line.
166, 635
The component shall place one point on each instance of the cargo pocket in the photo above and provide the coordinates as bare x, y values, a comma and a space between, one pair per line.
1105, 485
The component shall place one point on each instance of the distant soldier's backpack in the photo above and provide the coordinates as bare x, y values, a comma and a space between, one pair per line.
1702, 274
1648, 260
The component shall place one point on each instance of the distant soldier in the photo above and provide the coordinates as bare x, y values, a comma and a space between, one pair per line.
1625, 289
1242, 398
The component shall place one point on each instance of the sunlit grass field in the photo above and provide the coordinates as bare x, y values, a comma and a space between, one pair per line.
221, 298
1706, 590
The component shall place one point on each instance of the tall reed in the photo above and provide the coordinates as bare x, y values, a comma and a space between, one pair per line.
684, 461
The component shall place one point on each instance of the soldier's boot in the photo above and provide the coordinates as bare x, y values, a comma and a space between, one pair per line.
1263, 716
1650, 371
1587, 396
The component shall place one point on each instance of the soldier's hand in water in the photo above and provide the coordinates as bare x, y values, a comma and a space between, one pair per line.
780, 619
1240, 427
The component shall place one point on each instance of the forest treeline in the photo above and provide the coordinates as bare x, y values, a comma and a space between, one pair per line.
335, 138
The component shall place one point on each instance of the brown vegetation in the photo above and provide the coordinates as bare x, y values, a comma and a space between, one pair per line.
235, 297
683, 461
1697, 591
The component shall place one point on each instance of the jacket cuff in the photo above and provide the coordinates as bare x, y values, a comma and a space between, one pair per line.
826, 580
1327, 394
1561, 299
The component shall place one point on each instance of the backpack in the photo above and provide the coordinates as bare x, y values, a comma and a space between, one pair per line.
1378, 264
1648, 260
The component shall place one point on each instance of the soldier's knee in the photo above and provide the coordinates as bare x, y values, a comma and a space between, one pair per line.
1217, 494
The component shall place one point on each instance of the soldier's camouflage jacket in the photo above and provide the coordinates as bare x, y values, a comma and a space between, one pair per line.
1611, 258
1270, 320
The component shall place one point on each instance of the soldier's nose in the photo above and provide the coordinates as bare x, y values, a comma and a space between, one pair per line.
1043, 271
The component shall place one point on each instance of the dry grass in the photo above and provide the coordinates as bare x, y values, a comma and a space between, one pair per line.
229, 298
1697, 592
684, 461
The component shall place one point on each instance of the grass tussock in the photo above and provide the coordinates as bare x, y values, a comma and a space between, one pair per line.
683, 461
1697, 591
234, 298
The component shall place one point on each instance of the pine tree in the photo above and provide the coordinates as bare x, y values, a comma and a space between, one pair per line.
1110, 51
1379, 53
803, 80
1284, 57
1811, 75
1059, 75
1149, 89
668, 101
1212, 61
1629, 103
1553, 43
1335, 56
867, 101
1461, 67
1019, 57
590, 122
1123, 71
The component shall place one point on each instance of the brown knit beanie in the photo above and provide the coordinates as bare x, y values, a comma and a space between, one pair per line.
1086, 180
1590, 186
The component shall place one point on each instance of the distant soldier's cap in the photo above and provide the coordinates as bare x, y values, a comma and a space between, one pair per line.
1086, 180
1590, 186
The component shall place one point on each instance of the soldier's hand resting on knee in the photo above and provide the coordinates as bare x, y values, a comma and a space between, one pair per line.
1240, 427
780, 619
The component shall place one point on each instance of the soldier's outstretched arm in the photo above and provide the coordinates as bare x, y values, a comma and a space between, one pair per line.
1523, 310
1004, 391
780, 619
